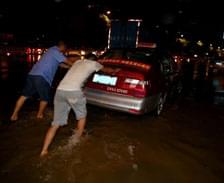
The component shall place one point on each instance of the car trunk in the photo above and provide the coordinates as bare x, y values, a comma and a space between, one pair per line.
130, 80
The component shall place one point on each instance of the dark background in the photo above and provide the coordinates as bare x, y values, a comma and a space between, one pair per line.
78, 20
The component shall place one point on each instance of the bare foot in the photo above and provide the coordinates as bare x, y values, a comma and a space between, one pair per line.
14, 118
43, 154
78, 133
40, 116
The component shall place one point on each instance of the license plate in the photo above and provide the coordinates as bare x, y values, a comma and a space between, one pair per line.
104, 79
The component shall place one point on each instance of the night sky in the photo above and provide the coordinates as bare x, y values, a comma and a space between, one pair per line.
27, 18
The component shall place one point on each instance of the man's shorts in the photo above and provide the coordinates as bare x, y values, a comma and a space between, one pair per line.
37, 85
64, 101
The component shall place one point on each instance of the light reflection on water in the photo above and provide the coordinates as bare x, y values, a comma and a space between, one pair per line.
4, 70
13, 73
15, 65
34, 54
11, 60
33, 58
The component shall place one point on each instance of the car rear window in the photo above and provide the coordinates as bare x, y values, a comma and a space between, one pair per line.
134, 55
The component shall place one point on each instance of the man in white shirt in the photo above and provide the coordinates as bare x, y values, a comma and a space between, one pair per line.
69, 96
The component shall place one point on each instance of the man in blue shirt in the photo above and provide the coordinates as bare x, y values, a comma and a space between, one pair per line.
39, 79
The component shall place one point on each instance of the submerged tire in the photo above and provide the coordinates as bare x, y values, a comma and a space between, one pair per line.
160, 105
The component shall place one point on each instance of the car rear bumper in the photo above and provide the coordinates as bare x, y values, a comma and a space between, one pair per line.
120, 102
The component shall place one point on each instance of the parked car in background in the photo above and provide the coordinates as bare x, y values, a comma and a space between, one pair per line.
145, 79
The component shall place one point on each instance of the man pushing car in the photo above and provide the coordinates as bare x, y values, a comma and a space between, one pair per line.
69, 95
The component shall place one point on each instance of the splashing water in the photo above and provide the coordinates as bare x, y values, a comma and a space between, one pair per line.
72, 142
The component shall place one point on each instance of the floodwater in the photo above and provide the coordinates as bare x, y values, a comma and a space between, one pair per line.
183, 145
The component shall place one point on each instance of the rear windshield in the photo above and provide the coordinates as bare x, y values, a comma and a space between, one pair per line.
134, 55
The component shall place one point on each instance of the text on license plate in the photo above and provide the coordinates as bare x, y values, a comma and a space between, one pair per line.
103, 79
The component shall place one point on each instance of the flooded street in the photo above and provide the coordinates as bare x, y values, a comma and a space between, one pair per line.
161, 63
183, 145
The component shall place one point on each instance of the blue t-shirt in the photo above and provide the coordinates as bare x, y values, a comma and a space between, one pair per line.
48, 64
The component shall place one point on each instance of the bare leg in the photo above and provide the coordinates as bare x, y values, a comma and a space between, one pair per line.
18, 106
80, 126
42, 107
48, 139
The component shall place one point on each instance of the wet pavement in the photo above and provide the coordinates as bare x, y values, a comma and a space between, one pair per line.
183, 145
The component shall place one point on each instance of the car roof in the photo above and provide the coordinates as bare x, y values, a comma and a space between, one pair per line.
134, 49
150, 52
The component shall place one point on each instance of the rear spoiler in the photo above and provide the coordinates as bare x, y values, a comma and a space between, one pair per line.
125, 62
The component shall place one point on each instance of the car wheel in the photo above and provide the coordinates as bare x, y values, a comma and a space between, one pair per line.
175, 91
179, 87
160, 104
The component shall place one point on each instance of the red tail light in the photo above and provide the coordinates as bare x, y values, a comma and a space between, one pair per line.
136, 87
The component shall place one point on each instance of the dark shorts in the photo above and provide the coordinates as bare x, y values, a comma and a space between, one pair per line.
37, 85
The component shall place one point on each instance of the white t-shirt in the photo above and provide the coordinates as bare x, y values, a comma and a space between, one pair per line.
77, 75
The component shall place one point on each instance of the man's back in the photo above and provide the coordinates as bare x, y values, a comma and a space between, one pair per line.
77, 75
48, 64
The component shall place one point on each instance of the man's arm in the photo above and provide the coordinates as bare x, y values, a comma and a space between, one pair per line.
110, 70
64, 66
67, 63
100, 67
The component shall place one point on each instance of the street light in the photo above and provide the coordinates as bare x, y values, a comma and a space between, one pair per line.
200, 43
105, 18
